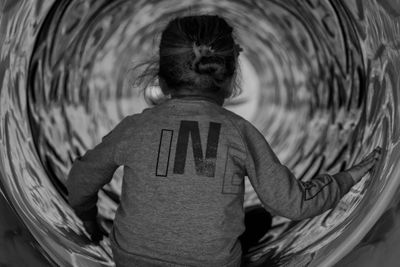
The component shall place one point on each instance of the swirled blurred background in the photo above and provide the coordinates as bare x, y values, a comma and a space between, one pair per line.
320, 79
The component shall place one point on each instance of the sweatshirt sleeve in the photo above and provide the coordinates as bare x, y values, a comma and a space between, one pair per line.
280, 191
91, 172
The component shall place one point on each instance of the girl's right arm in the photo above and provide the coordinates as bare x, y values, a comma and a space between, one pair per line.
92, 171
284, 195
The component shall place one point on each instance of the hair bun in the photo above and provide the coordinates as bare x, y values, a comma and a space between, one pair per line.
202, 50
206, 62
210, 66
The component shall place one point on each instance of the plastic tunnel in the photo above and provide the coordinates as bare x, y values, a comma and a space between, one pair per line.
320, 79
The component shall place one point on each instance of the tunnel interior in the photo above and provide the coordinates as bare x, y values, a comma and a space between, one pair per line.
318, 79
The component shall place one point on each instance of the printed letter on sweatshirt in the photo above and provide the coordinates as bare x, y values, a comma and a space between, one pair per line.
164, 150
204, 166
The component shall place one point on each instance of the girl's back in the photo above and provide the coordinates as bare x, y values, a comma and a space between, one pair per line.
182, 193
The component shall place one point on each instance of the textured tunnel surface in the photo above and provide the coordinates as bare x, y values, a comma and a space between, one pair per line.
319, 79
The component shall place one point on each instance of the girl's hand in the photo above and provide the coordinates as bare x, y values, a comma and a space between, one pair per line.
94, 230
359, 170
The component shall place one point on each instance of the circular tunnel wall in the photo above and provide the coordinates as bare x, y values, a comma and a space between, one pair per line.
319, 80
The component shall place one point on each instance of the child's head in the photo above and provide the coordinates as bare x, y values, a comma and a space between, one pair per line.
198, 56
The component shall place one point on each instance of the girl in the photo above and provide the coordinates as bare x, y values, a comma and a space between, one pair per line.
185, 161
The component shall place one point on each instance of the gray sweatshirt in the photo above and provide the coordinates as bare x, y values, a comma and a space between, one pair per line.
183, 187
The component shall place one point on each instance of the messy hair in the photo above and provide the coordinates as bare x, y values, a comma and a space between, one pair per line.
197, 53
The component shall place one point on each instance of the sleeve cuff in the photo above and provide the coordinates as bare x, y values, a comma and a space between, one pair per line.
345, 182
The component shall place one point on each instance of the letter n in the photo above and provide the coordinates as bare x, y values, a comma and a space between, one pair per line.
204, 166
